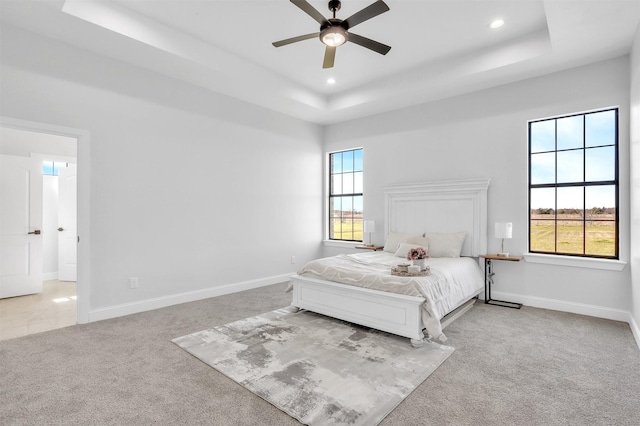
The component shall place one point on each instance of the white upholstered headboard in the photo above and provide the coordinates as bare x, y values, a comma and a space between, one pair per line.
442, 207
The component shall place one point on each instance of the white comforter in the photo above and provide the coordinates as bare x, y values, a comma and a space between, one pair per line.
452, 280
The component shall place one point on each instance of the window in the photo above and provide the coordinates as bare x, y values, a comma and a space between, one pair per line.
345, 195
51, 168
573, 185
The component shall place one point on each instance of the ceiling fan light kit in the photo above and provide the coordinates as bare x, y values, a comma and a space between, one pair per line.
334, 32
333, 36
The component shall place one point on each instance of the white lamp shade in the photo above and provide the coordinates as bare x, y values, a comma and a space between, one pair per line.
369, 226
504, 230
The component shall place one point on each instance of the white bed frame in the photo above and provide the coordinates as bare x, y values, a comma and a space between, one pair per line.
442, 207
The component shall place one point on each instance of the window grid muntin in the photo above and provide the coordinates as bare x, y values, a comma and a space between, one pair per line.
585, 184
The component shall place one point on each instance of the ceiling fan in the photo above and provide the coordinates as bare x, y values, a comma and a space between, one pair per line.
335, 32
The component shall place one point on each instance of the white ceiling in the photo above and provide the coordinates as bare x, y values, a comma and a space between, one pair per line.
440, 48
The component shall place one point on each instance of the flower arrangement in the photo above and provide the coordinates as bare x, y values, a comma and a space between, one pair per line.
417, 253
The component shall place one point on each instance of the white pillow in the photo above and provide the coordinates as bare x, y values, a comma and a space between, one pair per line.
445, 245
419, 240
394, 240
404, 248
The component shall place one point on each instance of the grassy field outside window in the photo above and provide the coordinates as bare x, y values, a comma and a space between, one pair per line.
569, 234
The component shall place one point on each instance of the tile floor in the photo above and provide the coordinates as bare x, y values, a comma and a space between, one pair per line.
54, 308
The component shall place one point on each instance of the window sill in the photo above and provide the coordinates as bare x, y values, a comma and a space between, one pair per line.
341, 244
578, 262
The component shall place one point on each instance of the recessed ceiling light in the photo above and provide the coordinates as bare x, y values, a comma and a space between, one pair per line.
331, 80
497, 23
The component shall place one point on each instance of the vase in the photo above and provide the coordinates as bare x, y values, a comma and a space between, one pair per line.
420, 263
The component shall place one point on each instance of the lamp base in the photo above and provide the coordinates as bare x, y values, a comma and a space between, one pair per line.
503, 254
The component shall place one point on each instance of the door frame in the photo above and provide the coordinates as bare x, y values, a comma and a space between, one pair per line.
84, 206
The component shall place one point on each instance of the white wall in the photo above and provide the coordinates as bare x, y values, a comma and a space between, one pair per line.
190, 191
484, 134
635, 184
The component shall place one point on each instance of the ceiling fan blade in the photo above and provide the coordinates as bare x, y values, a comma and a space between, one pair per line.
329, 57
382, 49
365, 14
295, 39
311, 11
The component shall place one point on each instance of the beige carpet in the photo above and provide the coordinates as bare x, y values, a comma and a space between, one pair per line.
510, 367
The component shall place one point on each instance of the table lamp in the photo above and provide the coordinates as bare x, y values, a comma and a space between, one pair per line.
503, 231
369, 227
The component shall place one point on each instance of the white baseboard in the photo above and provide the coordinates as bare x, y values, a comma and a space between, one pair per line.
49, 276
192, 296
175, 299
634, 329
564, 306
575, 308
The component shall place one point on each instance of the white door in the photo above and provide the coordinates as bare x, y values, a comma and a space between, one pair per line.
67, 228
20, 225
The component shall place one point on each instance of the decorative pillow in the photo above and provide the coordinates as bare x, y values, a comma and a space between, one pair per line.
419, 240
394, 240
404, 248
445, 245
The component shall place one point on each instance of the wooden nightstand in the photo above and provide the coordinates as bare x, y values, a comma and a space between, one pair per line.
374, 247
488, 280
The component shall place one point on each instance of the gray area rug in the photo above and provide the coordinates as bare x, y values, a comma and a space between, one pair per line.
317, 369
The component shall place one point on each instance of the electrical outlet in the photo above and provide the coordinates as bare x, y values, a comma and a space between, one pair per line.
293, 260
133, 282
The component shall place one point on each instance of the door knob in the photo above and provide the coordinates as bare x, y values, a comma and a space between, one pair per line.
60, 229
36, 232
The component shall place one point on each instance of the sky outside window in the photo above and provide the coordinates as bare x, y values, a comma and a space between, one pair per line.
584, 143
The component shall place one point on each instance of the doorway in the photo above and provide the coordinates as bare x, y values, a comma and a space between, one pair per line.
53, 304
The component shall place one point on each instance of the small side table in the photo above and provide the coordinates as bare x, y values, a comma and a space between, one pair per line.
374, 247
488, 280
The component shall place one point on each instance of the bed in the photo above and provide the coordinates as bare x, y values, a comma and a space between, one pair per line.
451, 216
